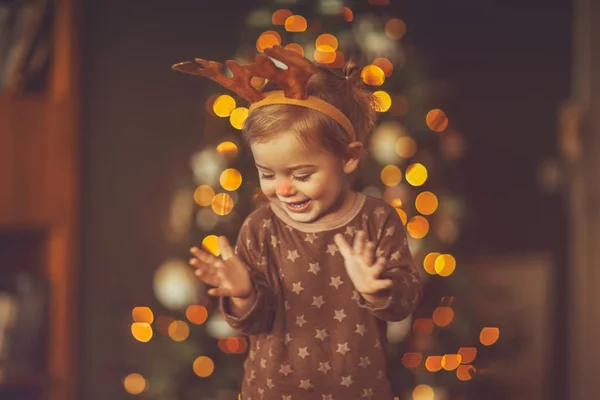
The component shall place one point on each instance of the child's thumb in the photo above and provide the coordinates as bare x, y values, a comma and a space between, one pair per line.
225, 247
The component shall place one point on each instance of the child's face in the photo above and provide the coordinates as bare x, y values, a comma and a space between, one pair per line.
308, 182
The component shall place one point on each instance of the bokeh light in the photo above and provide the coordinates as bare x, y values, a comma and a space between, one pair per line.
279, 16
327, 43
203, 195
233, 345
465, 372
211, 244
436, 120
238, 117
468, 354
224, 105
395, 28
426, 203
348, 14
417, 227
429, 263
451, 361
406, 147
203, 366
230, 179
175, 285
222, 204
433, 363
384, 101
267, 39
412, 360
179, 330
402, 215
443, 316
142, 314
296, 23
141, 331
489, 336
295, 47
227, 149
372, 75
423, 326
196, 314
445, 265
324, 57
135, 384
391, 175
416, 174
386, 65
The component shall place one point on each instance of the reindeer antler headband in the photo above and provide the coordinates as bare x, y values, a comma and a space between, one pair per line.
292, 81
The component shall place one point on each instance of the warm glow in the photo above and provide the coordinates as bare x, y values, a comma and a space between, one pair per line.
227, 149
203, 195
402, 215
433, 363
436, 120
372, 75
203, 366
429, 263
489, 336
445, 265
196, 314
451, 361
406, 147
141, 331
224, 105
426, 203
339, 60
142, 314
465, 372
385, 65
468, 354
279, 16
416, 174
443, 316
324, 57
211, 244
384, 101
423, 326
179, 331
417, 227
327, 43
162, 324
266, 40
257, 82
391, 175
238, 117
395, 28
348, 14
423, 392
412, 360
230, 179
233, 345
210, 102
295, 47
135, 384
222, 204
295, 23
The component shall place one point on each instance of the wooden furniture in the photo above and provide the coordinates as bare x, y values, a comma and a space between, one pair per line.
39, 196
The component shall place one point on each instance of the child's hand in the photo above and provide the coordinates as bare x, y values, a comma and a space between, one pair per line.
229, 274
360, 265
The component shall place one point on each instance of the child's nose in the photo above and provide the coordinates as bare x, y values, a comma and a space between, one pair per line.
285, 189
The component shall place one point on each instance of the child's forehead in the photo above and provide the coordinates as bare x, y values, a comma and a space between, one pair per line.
285, 149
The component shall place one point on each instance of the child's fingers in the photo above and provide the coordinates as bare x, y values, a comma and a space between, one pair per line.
219, 292
379, 266
382, 284
343, 246
359, 243
369, 253
226, 250
204, 256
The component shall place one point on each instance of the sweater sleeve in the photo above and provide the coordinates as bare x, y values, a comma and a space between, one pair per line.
405, 293
251, 248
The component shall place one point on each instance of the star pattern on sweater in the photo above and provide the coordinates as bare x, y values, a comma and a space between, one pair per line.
300, 320
321, 334
285, 369
367, 393
310, 237
395, 255
336, 281
390, 231
350, 230
287, 339
343, 348
347, 381
339, 315
270, 383
305, 384
378, 211
275, 241
266, 223
297, 287
292, 255
303, 352
332, 249
314, 268
364, 362
327, 397
317, 301
324, 367
360, 329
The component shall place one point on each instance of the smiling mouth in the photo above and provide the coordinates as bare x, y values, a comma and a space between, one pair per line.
298, 206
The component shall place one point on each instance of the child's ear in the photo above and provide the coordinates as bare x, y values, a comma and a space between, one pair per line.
353, 157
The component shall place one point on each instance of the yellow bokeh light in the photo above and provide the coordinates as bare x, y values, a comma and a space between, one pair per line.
385, 64
412, 360
451, 361
222, 204
327, 43
468, 354
443, 316
426, 203
142, 314
384, 101
228, 149
230, 179
489, 336
465, 372
203, 366
436, 120
395, 28
417, 227
266, 40
203, 195
429, 263
279, 16
238, 117
348, 14
211, 244
433, 363
406, 147
233, 345
135, 384
224, 105
423, 392
391, 175
372, 75
196, 314
416, 174
402, 215
296, 23
323, 57
295, 47
179, 331
141, 331
445, 265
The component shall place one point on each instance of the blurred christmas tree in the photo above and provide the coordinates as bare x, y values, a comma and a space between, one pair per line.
194, 354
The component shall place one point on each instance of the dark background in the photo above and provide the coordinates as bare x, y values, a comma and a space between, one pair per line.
507, 65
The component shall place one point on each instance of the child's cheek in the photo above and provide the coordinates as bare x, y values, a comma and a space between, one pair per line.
268, 188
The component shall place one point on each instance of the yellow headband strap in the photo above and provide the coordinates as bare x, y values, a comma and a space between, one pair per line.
277, 97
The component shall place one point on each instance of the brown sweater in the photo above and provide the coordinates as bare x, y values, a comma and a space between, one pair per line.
312, 336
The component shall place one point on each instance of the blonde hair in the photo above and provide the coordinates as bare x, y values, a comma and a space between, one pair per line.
344, 91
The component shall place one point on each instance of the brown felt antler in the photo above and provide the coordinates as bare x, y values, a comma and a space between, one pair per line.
292, 80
